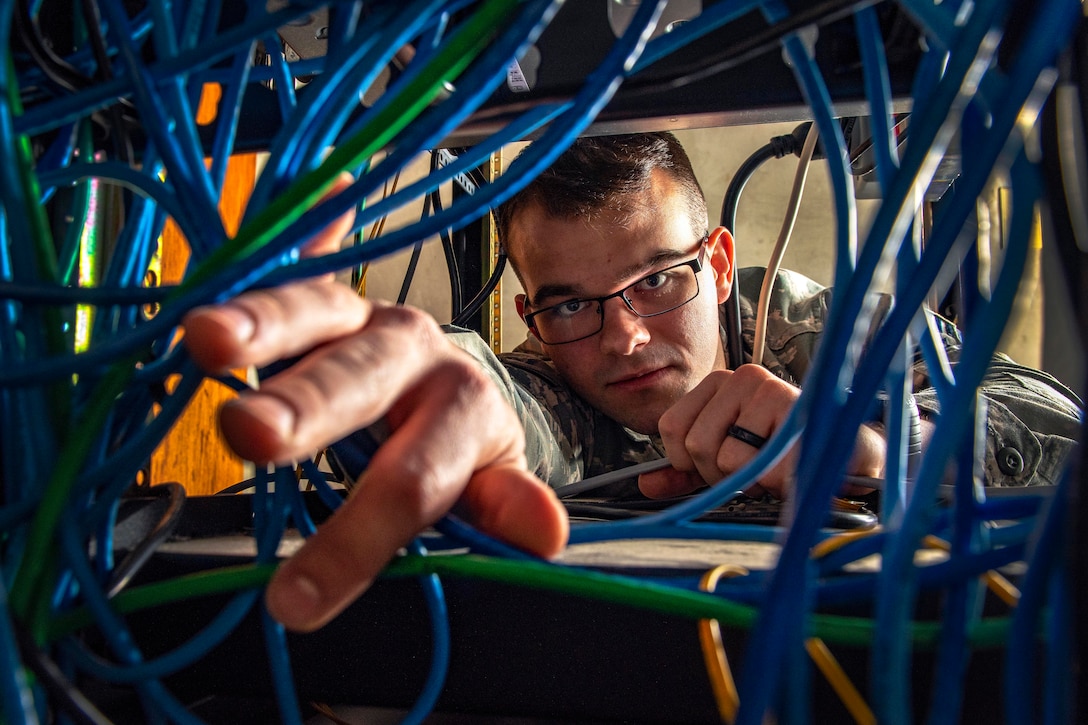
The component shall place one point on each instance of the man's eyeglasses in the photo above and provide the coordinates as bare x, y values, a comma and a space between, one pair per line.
655, 294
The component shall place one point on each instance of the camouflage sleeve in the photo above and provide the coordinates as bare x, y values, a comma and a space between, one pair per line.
796, 311
539, 402
1032, 422
1032, 419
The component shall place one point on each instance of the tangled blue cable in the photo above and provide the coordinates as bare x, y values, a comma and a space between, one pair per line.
45, 384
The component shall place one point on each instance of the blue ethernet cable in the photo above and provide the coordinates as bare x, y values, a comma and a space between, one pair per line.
290, 499
16, 698
598, 90
473, 88
279, 665
901, 324
1059, 689
525, 124
814, 89
710, 19
551, 144
325, 493
82, 198
287, 501
962, 598
270, 271
1045, 556
332, 97
68, 108
110, 475
180, 155
789, 564
878, 91
139, 671
116, 632
440, 644
893, 604
333, 204
282, 79
717, 495
229, 108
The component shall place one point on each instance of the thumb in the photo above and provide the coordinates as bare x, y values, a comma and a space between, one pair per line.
669, 482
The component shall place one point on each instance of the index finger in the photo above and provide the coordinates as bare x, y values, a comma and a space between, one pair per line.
263, 326
418, 474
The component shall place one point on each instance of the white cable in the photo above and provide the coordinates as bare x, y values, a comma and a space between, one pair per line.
780, 246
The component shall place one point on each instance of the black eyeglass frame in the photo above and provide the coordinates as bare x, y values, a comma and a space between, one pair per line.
695, 264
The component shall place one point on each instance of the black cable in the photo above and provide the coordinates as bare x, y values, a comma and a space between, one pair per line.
463, 312
410, 272
63, 694
776, 148
138, 556
122, 141
417, 249
451, 253
55, 68
476, 302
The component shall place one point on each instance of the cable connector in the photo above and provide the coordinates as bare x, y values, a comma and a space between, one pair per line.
793, 142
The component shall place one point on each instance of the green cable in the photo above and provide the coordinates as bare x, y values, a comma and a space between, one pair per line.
191, 586
455, 55
44, 250
35, 213
988, 633
38, 557
857, 631
467, 42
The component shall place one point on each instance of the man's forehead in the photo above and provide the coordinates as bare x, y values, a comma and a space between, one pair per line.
590, 261
532, 227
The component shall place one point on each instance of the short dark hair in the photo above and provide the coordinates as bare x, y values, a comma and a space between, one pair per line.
597, 171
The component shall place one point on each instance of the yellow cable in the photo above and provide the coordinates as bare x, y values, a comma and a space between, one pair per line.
839, 681
834, 543
376, 230
1005, 590
710, 638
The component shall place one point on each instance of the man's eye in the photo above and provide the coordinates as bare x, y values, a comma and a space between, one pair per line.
653, 282
570, 309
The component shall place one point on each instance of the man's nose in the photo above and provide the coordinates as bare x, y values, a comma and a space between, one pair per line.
622, 331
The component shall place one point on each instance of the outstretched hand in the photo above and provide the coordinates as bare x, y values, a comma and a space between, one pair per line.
454, 440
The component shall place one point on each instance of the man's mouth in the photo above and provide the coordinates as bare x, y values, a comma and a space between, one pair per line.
639, 379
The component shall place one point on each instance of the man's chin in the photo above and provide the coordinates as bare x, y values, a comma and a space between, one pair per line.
638, 411
642, 421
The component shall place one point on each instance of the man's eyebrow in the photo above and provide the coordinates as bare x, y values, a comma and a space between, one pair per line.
551, 291
631, 273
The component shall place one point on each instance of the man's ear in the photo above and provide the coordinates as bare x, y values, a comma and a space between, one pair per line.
519, 304
720, 244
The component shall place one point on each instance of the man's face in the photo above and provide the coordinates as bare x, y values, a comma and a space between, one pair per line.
635, 368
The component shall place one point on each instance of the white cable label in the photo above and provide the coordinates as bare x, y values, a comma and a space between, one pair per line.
515, 78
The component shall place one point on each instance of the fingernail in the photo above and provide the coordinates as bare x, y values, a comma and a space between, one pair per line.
238, 321
270, 411
294, 600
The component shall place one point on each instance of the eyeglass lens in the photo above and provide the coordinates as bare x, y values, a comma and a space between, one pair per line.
654, 294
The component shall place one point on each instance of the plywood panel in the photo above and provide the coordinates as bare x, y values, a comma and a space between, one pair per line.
194, 453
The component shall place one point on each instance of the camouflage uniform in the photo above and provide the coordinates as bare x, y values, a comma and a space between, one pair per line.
1032, 419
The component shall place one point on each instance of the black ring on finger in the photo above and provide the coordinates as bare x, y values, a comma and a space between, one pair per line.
746, 436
